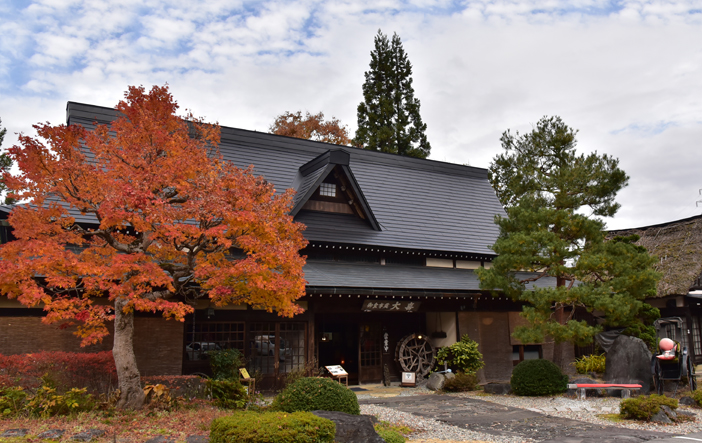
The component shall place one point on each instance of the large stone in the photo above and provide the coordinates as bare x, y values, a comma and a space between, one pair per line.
629, 361
497, 388
52, 434
669, 412
687, 401
351, 428
15, 433
436, 381
88, 435
661, 417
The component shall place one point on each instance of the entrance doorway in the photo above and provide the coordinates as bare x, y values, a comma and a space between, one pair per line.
338, 345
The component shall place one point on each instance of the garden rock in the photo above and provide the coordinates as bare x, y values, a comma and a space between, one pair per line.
669, 412
661, 417
88, 435
436, 381
15, 433
52, 434
497, 388
351, 428
687, 401
161, 439
197, 439
628, 361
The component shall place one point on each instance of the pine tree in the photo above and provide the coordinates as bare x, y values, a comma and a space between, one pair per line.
388, 117
554, 199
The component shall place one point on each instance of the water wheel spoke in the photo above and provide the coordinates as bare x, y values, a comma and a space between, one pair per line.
415, 355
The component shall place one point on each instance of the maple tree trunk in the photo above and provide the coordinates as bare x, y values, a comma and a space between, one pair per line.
131, 394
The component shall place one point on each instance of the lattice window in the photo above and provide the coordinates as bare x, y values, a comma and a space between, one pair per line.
327, 189
262, 341
210, 336
371, 346
292, 346
526, 352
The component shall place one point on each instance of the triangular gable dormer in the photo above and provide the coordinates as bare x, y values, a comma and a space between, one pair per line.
327, 184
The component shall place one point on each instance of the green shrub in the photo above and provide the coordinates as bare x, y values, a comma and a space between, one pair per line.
645, 407
12, 400
311, 394
389, 432
227, 394
461, 382
48, 402
225, 363
463, 355
538, 377
272, 427
697, 396
590, 363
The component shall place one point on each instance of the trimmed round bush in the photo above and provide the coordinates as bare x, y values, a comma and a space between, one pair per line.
538, 377
313, 393
272, 427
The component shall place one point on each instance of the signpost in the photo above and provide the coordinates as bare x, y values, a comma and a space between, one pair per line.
337, 373
409, 379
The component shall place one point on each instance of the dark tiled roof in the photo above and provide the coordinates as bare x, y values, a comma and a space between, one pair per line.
359, 275
418, 204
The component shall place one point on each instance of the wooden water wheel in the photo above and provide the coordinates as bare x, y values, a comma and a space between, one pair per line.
415, 354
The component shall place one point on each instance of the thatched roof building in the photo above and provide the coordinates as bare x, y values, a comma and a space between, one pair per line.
678, 247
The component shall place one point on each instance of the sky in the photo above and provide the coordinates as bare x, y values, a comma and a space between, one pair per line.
626, 74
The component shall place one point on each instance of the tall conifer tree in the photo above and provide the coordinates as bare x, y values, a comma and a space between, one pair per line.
554, 199
388, 117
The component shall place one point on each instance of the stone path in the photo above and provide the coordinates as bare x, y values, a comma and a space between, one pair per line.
491, 418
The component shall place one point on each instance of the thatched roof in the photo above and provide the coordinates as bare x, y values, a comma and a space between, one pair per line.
678, 247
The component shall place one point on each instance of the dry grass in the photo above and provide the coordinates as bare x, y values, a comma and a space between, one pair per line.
678, 247
123, 427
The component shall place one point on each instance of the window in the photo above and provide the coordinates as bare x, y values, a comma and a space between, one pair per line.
526, 352
213, 336
327, 189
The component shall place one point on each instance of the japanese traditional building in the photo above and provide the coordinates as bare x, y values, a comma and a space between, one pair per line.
678, 247
393, 245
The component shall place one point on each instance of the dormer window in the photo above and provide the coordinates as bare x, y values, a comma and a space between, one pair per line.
327, 189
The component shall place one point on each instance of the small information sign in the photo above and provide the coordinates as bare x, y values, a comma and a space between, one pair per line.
337, 373
244, 373
336, 370
409, 379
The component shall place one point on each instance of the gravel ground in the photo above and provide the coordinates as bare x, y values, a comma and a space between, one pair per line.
433, 431
586, 416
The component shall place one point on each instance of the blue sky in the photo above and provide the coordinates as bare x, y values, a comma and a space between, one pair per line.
627, 74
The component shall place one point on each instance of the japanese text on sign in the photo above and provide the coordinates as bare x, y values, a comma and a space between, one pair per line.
390, 305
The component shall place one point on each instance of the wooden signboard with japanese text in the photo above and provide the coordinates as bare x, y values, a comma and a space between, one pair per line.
390, 306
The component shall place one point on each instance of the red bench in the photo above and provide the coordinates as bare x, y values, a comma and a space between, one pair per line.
582, 387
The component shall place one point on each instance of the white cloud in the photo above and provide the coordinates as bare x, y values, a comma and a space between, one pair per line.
628, 78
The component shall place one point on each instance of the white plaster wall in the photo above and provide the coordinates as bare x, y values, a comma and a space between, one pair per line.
445, 321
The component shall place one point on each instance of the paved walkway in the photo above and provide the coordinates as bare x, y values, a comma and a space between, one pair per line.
491, 418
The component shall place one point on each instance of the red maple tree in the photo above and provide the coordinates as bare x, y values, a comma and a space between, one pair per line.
173, 222
311, 127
